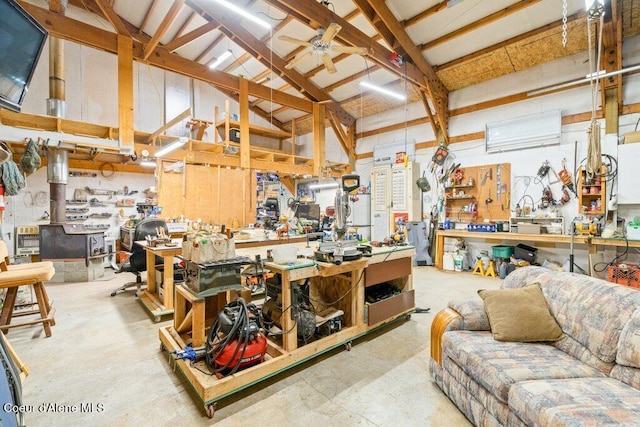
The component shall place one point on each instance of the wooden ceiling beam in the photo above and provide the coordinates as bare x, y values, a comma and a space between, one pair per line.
163, 27
438, 93
522, 4
181, 41
247, 41
88, 35
342, 135
147, 15
425, 14
312, 13
112, 17
55, 6
209, 48
185, 24
370, 14
351, 78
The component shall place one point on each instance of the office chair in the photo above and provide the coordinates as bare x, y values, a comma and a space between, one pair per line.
136, 261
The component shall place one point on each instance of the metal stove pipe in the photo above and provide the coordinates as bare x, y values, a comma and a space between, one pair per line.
57, 159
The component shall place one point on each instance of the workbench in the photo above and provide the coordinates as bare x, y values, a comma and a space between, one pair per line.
342, 286
155, 303
545, 240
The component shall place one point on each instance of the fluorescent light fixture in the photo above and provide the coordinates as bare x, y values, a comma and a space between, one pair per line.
243, 13
173, 146
221, 59
383, 91
148, 163
323, 186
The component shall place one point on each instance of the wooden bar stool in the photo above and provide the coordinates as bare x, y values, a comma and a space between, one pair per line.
11, 281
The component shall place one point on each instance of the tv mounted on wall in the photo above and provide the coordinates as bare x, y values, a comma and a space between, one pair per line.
21, 42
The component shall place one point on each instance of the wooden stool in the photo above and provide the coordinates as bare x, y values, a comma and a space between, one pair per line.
491, 271
11, 281
479, 268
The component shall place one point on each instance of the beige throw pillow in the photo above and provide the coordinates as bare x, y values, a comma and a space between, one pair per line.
520, 315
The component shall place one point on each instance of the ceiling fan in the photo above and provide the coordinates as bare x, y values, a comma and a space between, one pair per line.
320, 45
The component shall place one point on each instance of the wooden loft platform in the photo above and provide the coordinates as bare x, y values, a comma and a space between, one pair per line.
16, 127
255, 130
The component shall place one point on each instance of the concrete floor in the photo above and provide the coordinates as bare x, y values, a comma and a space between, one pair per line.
105, 351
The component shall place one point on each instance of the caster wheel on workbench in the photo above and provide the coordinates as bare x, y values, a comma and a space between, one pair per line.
210, 410
348, 346
407, 317
113, 294
156, 319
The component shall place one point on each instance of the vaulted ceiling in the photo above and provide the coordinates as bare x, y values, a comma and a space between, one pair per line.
425, 49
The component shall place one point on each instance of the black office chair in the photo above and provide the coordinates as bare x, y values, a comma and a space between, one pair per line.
136, 260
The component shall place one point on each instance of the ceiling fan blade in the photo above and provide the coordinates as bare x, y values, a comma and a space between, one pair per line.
294, 40
298, 59
328, 63
350, 49
330, 32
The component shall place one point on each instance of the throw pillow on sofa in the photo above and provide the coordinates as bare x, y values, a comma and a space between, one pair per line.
520, 315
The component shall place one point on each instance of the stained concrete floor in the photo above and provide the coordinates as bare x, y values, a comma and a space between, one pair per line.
105, 351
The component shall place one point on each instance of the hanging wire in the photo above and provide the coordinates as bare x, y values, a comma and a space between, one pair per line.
564, 23
406, 109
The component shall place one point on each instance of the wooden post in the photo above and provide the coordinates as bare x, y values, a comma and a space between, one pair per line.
319, 158
125, 90
245, 139
611, 109
293, 138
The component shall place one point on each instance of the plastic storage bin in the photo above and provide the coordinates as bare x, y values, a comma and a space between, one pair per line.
500, 251
527, 253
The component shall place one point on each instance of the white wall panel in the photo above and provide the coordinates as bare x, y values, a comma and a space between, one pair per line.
148, 88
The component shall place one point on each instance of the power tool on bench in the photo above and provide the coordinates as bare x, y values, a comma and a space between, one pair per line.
340, 249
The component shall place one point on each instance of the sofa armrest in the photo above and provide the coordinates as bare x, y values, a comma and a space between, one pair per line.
439, 326
461, 315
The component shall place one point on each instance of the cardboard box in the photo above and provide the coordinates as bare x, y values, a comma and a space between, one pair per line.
632, 137
529, 228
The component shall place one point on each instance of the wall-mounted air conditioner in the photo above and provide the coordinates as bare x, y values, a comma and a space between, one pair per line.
536, 130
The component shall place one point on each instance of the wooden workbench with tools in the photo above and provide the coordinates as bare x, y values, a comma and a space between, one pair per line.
342, 286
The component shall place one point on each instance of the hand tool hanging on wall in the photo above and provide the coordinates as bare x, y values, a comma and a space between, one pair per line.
498, 181
487, 175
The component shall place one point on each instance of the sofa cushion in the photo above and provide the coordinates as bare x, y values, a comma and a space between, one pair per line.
629, 345
591, 311
474, 318
576, 402
520, 314
497, 365
629, 376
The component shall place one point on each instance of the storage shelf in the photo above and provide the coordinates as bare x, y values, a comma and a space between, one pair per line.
461, 198
256, 130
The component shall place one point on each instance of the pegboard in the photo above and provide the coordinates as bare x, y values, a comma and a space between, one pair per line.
489, 186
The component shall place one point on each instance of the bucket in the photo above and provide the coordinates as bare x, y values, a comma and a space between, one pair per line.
457, 262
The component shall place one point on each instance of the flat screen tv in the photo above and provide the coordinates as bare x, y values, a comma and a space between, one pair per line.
21, 42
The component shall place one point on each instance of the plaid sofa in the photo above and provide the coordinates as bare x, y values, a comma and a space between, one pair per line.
591, 377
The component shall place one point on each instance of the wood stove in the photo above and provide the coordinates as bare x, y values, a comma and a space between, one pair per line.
71, 242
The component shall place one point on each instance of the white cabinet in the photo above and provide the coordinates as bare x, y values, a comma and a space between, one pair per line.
395, 198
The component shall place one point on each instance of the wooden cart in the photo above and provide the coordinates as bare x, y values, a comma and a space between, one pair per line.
343, 286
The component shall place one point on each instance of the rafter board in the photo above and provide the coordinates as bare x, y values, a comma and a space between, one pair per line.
547, 46
494, 64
